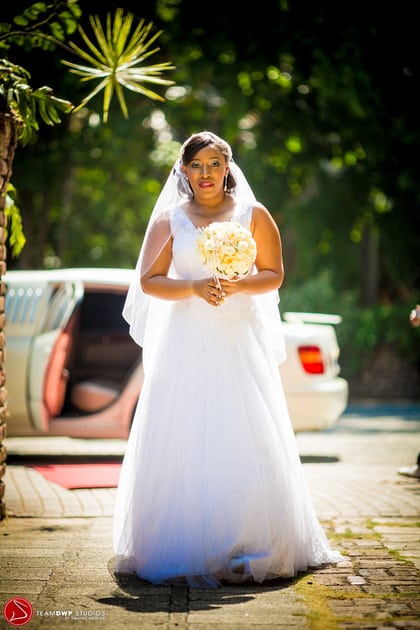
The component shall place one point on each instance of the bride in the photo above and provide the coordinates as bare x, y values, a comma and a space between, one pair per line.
211, 487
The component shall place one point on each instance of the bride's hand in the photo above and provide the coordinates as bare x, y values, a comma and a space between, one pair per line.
208, 290
229, 288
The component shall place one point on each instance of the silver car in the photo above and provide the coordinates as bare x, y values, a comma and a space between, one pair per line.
73, 370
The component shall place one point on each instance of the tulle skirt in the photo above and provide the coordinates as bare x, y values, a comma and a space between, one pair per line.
211, 486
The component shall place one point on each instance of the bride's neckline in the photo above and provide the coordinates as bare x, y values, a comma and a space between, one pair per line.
201, 227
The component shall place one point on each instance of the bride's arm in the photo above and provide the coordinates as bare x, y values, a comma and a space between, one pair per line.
269, 261
157, 258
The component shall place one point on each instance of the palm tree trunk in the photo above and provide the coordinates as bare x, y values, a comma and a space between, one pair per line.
8, 140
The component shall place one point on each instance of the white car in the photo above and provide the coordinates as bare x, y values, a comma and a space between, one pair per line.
316, 394
73, 370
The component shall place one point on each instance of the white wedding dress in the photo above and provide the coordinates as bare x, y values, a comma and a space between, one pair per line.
212, 487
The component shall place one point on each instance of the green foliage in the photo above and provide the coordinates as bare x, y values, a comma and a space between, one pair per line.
15, 230
362, 330
321, 116
115, 57
91, 208
26, 104
41, 25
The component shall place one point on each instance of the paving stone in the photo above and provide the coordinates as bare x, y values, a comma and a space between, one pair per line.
56, 547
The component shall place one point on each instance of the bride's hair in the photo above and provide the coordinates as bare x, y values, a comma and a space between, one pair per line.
198, 141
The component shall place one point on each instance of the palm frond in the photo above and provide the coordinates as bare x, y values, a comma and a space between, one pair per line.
115, 59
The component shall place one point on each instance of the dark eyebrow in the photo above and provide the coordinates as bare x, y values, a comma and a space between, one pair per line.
215, 157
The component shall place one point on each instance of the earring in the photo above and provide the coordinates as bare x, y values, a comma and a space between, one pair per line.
225, 188
190, 190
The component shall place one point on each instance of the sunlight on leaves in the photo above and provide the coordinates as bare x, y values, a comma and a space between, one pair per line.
114, 59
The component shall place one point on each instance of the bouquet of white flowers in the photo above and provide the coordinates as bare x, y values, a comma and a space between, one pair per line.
227, 249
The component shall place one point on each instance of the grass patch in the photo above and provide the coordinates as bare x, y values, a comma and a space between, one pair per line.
372, 524
316, 596
321, 616
319, 599
398, 556
348, 534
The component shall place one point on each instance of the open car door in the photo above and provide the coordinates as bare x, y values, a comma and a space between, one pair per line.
50, 353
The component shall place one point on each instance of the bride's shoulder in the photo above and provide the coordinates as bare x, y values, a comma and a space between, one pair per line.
246, 210
262, 218
178, 217
179, 208
258, 209
252, 213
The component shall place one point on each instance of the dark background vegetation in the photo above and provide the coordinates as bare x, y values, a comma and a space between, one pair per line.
320, 102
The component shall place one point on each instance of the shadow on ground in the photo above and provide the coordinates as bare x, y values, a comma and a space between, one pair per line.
134, 594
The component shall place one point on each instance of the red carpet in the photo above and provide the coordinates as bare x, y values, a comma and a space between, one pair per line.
73, 476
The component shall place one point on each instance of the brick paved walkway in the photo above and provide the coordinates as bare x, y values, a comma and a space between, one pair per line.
56, 548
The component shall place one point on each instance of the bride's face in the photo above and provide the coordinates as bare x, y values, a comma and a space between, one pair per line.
207, 171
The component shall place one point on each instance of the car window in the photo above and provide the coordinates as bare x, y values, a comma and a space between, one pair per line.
102, 312
63, 299
22, 304
104, 349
